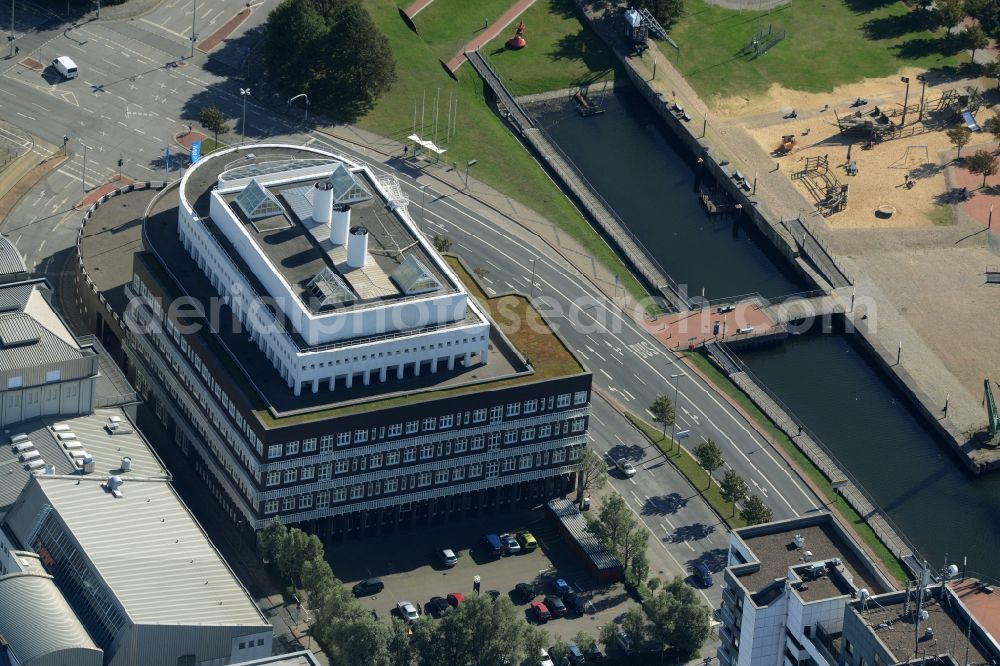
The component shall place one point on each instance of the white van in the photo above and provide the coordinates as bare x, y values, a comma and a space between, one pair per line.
65, 66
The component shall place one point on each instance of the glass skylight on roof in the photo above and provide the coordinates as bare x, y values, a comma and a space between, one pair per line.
256, 202
346, 189
330, 289
265, 168
412, 277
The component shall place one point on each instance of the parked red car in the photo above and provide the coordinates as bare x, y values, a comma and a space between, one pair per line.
455, 598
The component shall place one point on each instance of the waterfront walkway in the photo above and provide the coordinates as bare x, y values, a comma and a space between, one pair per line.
491, 31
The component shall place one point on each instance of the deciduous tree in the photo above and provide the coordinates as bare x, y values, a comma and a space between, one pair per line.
755, 512
331, 50
992, 125
666, 12
663, 412
677, 619
733, 488
709, 457
973, 39
214, 120
947, 14
983, 162
959, 137
594, 473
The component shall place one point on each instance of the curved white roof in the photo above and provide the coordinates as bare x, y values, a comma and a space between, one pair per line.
37, 622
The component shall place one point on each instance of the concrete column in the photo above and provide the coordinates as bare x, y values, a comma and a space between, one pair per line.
333, 382
416, 369
434, 364
298, 388
485, 355
381, 373
350, 380
399, 371
468, 359
367, 376
315, 386
451, 362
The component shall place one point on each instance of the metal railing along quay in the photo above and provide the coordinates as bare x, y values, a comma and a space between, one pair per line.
818, 453
596, 206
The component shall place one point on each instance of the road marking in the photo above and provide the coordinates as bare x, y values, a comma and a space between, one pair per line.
639, 379
24, 116
605, 372
598, 419
627, 325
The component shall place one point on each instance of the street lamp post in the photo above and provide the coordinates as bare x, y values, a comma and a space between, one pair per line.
423, 204
84, 178
923, 86
11, 37
244, 93
906, 98
307, 103
194, 35
468, 165
673, 426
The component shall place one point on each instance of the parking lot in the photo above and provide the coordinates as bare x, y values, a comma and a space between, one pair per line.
408, 565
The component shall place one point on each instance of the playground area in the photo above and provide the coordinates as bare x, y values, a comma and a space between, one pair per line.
860, 165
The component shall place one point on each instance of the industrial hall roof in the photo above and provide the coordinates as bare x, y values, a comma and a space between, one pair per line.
145, 544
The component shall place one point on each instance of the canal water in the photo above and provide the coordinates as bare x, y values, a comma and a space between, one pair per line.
629, 155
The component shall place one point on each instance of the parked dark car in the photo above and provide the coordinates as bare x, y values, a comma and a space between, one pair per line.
493, 546
525, 592
493, 594
574, 653
556, 606
560, 586
367, 587
576, 604
437, 605
703, 574
594, 653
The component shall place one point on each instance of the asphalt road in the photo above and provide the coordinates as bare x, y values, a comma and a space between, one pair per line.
130, 101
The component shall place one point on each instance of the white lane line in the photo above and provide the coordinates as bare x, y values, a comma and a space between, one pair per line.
639, 379
629, 325
605, 373
598, 419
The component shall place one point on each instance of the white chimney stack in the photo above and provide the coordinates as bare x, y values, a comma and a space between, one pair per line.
340, 224
323, 202
357, 248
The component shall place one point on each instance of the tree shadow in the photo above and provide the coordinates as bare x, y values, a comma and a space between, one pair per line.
922, 47
692, 532
662, 505
925, 170
867, 6
893, 26
715, 559
631, 452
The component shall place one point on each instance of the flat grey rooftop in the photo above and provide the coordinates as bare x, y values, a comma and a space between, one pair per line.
107, 449
299, 248
110, 237
302, 658
777, 552
897, 632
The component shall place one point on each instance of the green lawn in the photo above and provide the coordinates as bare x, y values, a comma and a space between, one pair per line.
561, 51
828, 43
834, 500
447, 25
479, 134
208, 145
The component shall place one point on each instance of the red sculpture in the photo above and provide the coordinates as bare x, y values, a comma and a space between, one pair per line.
517, 41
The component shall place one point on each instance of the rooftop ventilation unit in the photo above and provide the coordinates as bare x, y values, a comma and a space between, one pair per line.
126, 464
807, 556
88, 464
357, 247
799, 540
113, 485
329, 289
322, 202
412, 277
256, 202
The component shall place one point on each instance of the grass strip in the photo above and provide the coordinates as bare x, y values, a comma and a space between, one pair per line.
477, 132
688, 466
833, 499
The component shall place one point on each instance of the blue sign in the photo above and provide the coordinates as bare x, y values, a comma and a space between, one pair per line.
195, 151
167, 154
